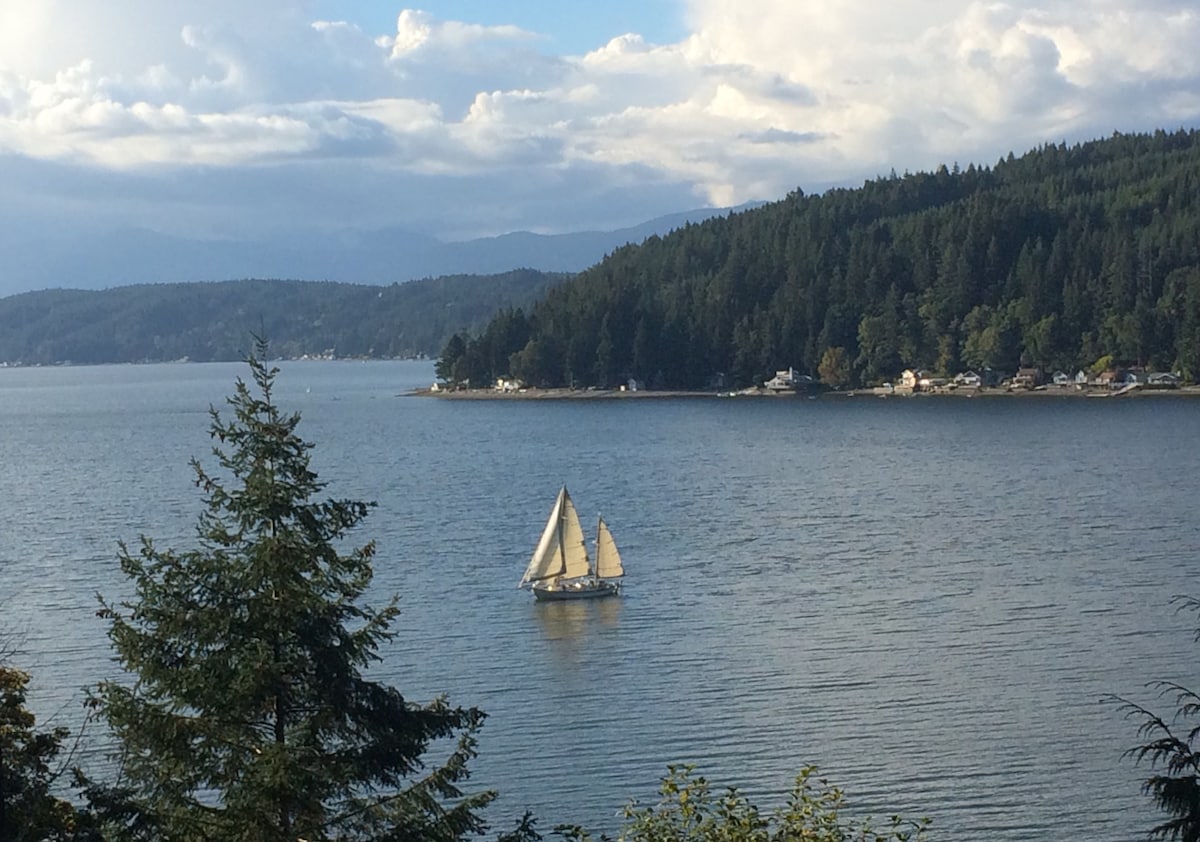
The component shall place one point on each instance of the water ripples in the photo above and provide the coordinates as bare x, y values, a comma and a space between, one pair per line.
927, 599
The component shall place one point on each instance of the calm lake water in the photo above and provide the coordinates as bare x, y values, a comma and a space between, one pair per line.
926, 598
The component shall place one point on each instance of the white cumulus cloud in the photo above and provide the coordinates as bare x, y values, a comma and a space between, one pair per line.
468, 129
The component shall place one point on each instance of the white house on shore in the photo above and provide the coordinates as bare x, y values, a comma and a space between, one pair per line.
911, 378
787, 380
1164, 379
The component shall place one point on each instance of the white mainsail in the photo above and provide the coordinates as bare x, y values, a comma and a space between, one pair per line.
561, 552
608, 560
574, 545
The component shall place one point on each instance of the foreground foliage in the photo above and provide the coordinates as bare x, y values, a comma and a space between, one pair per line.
1173, 748
688, 811
29, 809
248, 716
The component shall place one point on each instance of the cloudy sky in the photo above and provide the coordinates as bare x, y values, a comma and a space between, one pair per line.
228, 119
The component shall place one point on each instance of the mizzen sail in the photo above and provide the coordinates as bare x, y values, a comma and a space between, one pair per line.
608, 560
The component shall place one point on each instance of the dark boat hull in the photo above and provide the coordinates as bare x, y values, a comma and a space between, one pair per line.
581, 589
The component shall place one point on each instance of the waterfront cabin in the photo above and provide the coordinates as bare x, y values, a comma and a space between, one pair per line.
786, 380
911, 378
1163, 380
1027, 378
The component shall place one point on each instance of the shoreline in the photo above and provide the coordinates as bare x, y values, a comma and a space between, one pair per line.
642, 394
554, 394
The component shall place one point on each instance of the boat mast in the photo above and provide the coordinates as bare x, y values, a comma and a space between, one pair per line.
562, 547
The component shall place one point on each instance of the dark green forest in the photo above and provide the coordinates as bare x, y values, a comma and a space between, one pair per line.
1056, 259
214, 321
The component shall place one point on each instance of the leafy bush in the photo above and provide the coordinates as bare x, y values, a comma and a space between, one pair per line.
688, 811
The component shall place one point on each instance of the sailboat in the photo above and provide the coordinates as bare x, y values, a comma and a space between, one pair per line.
561, 568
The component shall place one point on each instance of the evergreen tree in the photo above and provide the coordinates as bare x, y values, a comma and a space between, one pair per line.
604, 374
248, 716
642, 353
1172, 748
455, 348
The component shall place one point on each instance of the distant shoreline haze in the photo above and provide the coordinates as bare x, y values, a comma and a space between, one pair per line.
103, 259
215, 322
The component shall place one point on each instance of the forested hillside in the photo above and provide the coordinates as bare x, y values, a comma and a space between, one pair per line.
214, 321
1055, 259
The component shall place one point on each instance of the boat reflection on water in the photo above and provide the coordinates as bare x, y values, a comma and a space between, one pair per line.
576, 620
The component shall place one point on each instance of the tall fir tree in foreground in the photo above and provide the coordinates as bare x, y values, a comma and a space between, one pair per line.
247, 716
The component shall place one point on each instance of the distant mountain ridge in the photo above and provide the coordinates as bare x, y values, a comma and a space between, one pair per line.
215, 321
129, 256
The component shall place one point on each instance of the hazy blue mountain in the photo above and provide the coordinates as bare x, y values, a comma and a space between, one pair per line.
101, 259
215, 320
